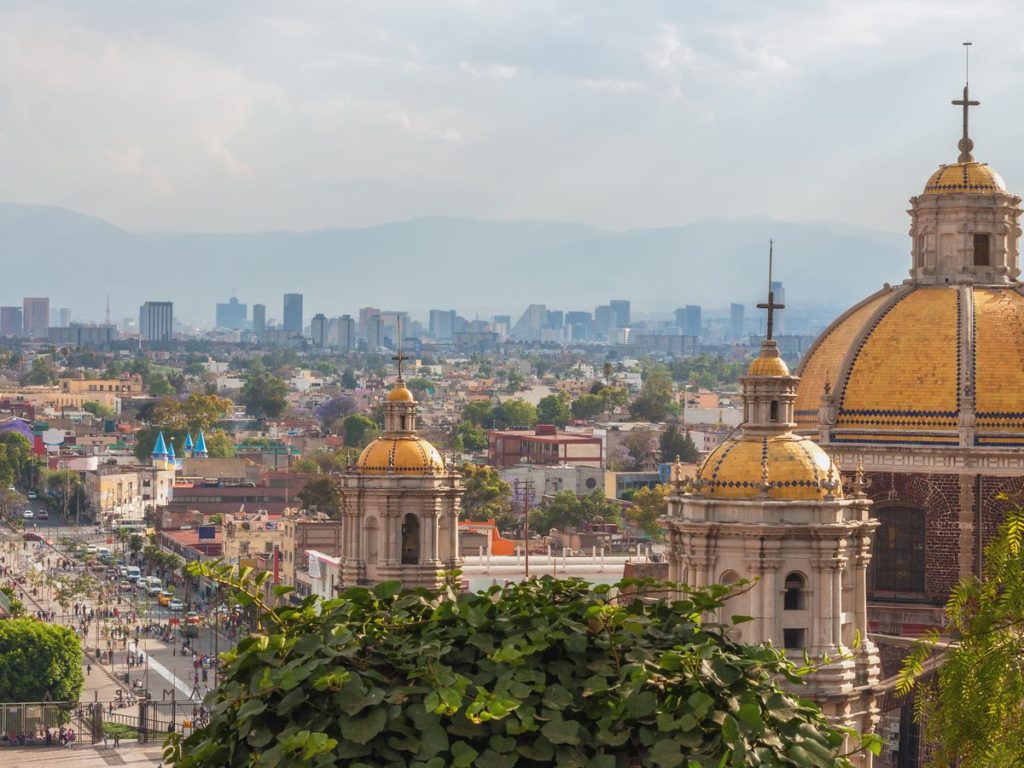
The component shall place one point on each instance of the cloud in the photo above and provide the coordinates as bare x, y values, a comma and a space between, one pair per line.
489, 71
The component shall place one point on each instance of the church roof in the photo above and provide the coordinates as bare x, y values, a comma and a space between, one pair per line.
200, 446
400, 393
785, 467
965, 178
160, 446
902, 363
407, 454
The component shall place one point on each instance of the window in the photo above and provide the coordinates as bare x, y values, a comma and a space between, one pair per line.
793, 600
981, 251
793, 639
773, 410
410, 540
897, 562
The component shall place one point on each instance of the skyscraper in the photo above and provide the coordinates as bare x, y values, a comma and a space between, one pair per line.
442, 324
156, 321
688, 320
318, 328
64, 317
35, 317
779, 297
736, 316
293, 313
259, 320
10, 321
345, 332
620, 312
232, 315
529, 326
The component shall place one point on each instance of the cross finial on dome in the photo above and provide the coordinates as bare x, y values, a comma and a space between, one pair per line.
400, 358
966, 145
771, 305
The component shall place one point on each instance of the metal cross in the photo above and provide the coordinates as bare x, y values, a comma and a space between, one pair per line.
966, 145
400, 358
771, 305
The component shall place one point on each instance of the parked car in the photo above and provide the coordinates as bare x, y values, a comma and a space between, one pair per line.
176, 605
28, 514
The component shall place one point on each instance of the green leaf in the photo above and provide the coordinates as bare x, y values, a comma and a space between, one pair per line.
562, 731
642, 704
463, 755
362, 729
251, 708
666, 754
387, 589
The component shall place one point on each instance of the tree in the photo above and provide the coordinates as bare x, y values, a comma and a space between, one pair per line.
479, 412
264, 396
420, 386
567, 510
219, 445
675, 442
15, 458
587, 406
196, 413
514, 380
39, 661
348, 379
469, 437
515, 413
546, 672
648, 504
98, 410
334, 411
16, 608
322, 494
487, 496
655, 402
972, 714
41, 373
358, 430
554, 409
159, 386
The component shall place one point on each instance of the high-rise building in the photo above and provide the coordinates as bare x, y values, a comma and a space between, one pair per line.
779, 297
35, 317
604, 322
259, 320
232, 316
532, 322
345, 332
442, 324
365, 315
64, 317
736, 316
156, 321
502, 325
579, 325
620, 313
293, 313
688, 320
10, 321
374, 336
318, 328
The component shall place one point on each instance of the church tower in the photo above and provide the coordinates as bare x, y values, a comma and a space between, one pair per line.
400, 505
768, 506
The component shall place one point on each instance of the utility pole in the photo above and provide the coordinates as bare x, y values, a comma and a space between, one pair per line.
527, 493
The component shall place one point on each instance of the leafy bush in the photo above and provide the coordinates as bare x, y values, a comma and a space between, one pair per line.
39, 661
541, 673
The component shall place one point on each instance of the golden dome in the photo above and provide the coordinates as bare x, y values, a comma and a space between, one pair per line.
964, 178
406, 454
768, 366
797, 469
897, 361
400, 394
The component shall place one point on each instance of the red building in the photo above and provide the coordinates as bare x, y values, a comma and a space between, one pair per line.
543, 445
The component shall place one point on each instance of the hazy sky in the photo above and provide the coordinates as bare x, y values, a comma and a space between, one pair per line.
216, 115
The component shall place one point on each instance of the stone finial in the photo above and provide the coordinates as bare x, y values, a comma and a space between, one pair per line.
859, 485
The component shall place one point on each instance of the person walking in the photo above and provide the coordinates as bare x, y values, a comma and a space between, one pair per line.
88, 669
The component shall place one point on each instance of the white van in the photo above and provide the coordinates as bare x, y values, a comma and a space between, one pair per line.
133, 574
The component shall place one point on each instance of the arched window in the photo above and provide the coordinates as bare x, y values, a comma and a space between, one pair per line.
897, 554
793, 599
410, 540
729, 577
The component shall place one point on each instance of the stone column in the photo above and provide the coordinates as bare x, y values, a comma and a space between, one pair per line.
965, 523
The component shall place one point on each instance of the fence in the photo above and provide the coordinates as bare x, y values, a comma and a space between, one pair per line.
32, 719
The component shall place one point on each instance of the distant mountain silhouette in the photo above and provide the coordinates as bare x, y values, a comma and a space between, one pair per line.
466, 264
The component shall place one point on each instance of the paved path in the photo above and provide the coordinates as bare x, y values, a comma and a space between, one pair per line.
82, 756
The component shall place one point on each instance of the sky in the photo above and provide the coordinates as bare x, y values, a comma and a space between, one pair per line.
247, 116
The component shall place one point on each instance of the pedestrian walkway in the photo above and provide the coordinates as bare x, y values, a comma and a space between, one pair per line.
83, 756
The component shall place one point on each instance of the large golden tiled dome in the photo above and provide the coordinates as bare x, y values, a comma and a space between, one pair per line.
406, 454
795, 468
901, 364
961, 178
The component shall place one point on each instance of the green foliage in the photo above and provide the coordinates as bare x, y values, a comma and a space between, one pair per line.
676, 442
219, 445
972, 714
264, 396
348, 379
160, 386
469, 437
487, 496
195, 413
15, 458
515, 413
708, 371
554, 409
358, 430
98, 410
480, 413
648, 504
41, 373
322, 494
587, 406
544, 673
655, 402
39, 660
17, 608
567, 510
420, 386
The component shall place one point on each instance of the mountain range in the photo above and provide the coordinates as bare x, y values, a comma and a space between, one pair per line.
475, 266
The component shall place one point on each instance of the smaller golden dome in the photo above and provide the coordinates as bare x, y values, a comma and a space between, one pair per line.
405, 454
400, 394
798, 469
768, 366
964, 178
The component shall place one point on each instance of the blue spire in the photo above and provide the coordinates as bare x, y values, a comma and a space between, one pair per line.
160, 448
200, 447
170, 450
188, 442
